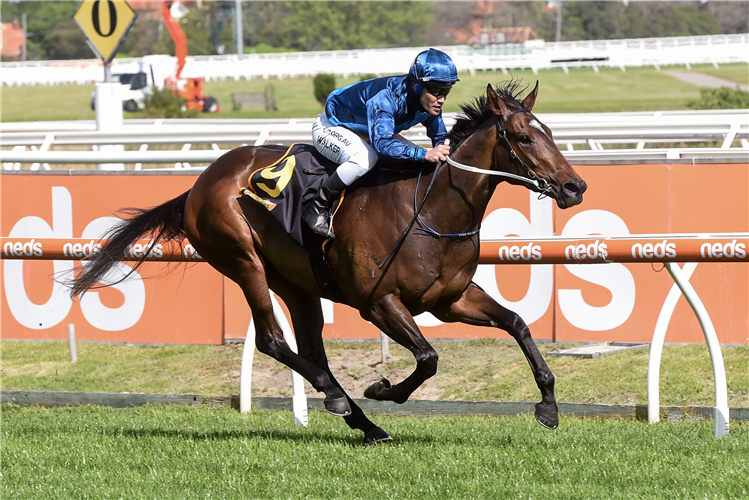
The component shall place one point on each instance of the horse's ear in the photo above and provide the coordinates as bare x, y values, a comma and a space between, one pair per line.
495, 101
530, 99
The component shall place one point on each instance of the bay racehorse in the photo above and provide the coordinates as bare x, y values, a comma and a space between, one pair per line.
496, 138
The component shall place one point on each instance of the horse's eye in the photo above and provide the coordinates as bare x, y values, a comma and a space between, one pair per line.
525, 140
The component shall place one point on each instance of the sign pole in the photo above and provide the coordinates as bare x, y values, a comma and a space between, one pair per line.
107, 72
105, 24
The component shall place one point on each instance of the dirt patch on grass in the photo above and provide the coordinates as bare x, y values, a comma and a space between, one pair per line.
355, 366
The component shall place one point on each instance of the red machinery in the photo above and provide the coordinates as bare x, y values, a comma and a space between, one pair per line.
189, 88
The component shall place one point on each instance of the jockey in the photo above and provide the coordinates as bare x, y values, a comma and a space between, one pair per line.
363, 120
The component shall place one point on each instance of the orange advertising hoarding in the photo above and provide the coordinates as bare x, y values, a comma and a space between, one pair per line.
195, 304
185, 306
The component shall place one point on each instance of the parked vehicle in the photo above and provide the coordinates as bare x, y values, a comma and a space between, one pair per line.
137, 78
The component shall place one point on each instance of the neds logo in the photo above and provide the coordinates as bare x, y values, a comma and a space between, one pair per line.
18, 249
189, 252
515, 252
718, 250
139, 250
81, 250
659, 250
595, 250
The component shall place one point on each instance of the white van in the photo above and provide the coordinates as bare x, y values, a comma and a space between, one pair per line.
138, 77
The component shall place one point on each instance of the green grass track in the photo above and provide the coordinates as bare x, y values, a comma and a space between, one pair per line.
180, 452
581, 91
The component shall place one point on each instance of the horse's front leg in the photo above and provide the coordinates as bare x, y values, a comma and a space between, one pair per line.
475, 307
392, 317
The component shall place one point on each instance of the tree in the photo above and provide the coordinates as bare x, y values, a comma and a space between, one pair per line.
613, 20
594, 20
197, 30
68, 42
41, 20
677, 20
141, 39
340, 25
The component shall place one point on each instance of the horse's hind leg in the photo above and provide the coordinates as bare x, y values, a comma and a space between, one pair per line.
307, 318
247, 269
475, 307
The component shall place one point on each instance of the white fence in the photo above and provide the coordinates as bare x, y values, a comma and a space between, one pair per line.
39, 143
535, 55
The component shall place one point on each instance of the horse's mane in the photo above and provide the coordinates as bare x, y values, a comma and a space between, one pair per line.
477, 112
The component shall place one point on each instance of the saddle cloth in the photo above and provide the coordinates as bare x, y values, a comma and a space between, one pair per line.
288, 185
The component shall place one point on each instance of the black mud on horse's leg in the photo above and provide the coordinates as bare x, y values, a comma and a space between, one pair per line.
307, 318
475, 307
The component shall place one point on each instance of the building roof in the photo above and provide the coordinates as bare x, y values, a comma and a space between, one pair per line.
11, 41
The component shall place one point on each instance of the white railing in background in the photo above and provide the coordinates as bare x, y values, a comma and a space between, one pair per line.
535, 55
39, 143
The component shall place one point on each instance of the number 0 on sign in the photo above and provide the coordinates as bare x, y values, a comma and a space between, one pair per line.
105, 23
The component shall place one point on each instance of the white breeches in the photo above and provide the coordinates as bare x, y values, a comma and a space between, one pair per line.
340, 145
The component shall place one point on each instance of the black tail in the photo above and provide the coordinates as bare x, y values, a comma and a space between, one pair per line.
164, 222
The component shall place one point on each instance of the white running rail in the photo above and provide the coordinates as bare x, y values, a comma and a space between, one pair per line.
534, 55
41, 143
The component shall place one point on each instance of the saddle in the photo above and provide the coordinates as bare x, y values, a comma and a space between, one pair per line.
285, 188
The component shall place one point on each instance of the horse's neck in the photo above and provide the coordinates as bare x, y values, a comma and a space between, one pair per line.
465, 195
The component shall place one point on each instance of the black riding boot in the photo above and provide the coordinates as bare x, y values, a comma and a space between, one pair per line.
317, 215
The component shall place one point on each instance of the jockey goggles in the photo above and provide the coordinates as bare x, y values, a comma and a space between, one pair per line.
437, 90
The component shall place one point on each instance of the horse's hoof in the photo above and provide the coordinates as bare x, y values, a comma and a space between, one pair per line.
338, 406
377, 435
375, 389
547, 418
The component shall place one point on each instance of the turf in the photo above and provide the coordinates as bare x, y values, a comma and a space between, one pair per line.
481, 369
582, 90
179, 452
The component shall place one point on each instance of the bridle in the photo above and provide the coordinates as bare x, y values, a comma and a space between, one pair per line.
541, 185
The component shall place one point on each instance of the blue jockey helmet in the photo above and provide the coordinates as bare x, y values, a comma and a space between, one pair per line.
434, 67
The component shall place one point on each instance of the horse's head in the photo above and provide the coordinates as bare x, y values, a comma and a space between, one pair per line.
533, 151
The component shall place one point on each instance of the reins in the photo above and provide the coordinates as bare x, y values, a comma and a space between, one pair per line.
540, 184
388, 258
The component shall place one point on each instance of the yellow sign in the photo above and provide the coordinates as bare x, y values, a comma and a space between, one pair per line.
105, 23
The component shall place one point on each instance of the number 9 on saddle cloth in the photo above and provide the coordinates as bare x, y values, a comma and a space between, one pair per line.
288, 185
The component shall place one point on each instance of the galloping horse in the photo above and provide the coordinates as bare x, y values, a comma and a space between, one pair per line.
496, 138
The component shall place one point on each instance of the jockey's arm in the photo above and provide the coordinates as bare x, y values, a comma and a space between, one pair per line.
381, 124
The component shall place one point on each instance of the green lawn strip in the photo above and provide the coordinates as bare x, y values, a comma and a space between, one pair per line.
582, 90
478, 370
179, 452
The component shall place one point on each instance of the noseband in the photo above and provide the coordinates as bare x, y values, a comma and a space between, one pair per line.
541, 185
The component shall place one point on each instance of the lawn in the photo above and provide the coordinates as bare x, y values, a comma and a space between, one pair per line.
482, 369
582, 90
181, 452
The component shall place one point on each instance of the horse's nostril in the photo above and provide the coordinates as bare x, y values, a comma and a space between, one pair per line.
574, 188
571, 188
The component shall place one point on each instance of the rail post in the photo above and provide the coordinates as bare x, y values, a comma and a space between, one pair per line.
299, 398
719, 370
71, 344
